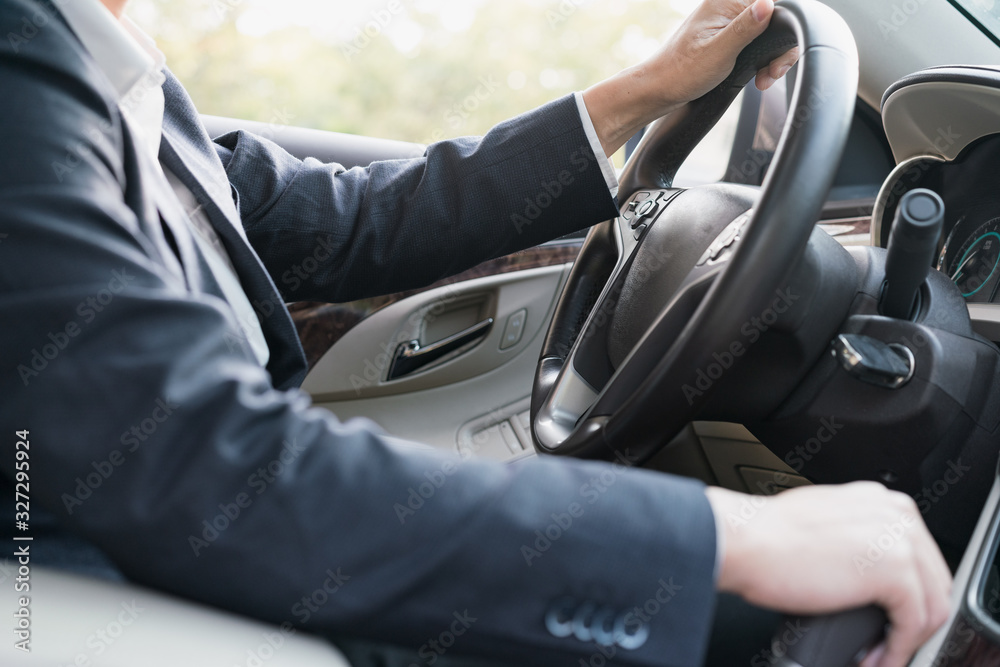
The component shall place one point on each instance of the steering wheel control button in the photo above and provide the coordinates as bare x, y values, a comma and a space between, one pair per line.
639, 231
873, 361
629, 211
643, 207
645, 213
514, 329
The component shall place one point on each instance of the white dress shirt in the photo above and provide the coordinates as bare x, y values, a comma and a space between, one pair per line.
608, 169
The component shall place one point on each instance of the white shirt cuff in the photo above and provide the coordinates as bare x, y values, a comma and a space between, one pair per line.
720, 539
720, 545
607, 168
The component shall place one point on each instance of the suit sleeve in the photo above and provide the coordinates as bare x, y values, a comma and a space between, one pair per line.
170, 450
401, 224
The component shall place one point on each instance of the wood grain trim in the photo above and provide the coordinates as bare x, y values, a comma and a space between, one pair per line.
321, 325
966, 645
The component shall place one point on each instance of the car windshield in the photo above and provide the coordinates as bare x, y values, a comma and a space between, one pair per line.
984, 13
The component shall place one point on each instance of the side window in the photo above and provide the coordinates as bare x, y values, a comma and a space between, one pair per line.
412, 70
739, 149
709, 161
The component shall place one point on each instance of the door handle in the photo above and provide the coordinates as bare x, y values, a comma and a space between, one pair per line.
412, 356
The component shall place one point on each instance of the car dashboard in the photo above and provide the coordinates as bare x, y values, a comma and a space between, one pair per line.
969, 248
943, 125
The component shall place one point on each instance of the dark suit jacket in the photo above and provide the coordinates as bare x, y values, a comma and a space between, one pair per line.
155, 435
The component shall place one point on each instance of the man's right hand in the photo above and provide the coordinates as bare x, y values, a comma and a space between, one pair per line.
696, 58
824, 549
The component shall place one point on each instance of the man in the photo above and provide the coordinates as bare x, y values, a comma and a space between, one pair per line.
134, 255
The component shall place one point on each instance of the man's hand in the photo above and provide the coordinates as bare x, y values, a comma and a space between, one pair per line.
699, 56
809, 551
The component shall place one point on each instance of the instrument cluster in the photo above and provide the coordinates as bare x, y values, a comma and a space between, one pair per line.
969, 248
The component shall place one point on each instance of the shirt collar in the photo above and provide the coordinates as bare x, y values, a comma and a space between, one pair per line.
125, 54
130, 61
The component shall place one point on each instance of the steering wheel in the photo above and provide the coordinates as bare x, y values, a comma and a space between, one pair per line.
657, 298
653, 304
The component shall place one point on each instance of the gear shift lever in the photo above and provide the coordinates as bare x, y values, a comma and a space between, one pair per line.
912, 245
830, 641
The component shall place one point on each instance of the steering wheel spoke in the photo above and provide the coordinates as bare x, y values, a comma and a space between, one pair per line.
593, 374
572, 395
670, 245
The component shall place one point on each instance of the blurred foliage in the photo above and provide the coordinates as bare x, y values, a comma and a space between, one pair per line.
419, 78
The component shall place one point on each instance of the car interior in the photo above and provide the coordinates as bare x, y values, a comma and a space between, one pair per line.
787, 318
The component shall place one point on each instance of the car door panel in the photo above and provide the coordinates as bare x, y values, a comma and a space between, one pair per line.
518, 304
450, 416
321, 325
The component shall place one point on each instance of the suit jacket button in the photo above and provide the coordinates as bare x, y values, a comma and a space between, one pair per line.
559, 618
632, 633
602, 627
582, 620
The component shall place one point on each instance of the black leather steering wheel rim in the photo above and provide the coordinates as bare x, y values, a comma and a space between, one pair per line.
643, 406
